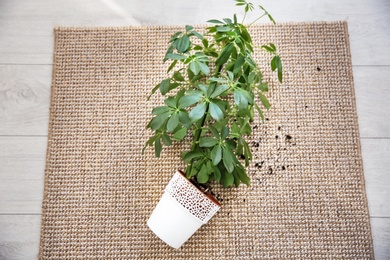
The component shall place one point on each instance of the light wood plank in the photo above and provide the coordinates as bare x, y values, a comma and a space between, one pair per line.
24, 99
19, 236
22, 161
26, 27
372, 100
380, 228
376, 161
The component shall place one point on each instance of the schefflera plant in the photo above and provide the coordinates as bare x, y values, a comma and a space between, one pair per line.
217, 84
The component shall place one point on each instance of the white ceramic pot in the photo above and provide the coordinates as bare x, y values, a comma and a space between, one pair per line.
182, 210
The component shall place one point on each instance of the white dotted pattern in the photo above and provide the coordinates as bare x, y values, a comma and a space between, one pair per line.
192, 199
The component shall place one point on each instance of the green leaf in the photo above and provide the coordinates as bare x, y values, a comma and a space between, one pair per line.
174, 56
219, 90
209, 90
174, 36
171, 102
198, 48
228, 159
198, 112
184, 119
219, 80
274, 64
173, 64
207, 142
268, 49
224, 132
216, 112
250, 62
243, 176
214, 131
179, 135
205, 42
247, 153
183, 44
160, 110
203, 88
202, 176
232, 145
194, 67
169, 50
225, 28
245, 35
204, 68
264, 101
216, 154
173, 86
264, 87
260, 112
251, 77
231, 75
215, 21
238, 64
191, 155
187, 101
235, 130
279, 65
179, 95
198, 35
219, 125
227, 20
178, 76
272, 46
173, 122
217, 172
158, 121
152, 139
244, 112
153, 91
225, 54
209, 167
227, 179
189, 28
166, 140
236, 179
240, 99
164, 86
271, 19
157, 148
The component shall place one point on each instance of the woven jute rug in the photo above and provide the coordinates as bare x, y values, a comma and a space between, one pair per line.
307, 199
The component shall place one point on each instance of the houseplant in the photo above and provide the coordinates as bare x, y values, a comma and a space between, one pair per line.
212, 91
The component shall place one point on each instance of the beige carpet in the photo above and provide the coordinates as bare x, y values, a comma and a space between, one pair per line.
307, 199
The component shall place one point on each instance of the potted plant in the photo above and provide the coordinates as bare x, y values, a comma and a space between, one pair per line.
211, 94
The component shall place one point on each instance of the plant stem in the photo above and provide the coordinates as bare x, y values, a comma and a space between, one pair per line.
256, 20
243, 19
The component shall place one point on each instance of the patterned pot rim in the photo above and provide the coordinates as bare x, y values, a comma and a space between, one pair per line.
200, 205
209, 196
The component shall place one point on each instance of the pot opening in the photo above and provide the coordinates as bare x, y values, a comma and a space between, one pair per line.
205, 189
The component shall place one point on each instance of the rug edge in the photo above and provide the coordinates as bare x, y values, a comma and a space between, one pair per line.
48, 148
91, 28
358, 142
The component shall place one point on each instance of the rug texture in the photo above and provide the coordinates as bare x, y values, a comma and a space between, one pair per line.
307, 199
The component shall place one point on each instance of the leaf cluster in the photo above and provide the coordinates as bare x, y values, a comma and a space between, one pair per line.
211, 95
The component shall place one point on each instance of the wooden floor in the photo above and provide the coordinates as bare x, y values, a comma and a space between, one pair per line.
26, 48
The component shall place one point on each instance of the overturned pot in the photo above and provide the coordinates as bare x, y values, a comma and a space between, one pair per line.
181, 211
